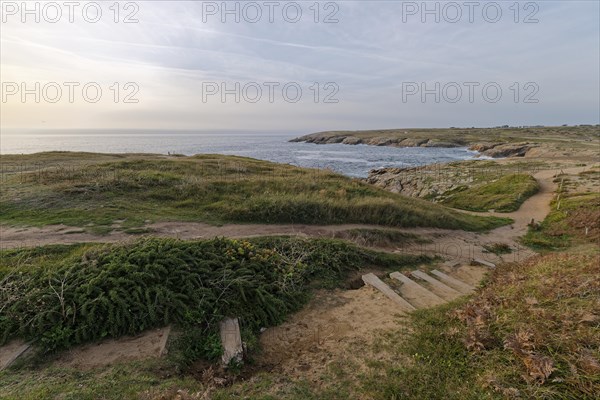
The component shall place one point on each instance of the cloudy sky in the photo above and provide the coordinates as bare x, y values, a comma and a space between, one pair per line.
341, 65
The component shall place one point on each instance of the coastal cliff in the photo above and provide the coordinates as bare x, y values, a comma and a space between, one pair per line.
496, 149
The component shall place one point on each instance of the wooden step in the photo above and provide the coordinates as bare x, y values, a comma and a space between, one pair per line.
437, 287
11, 351
416, 294
373, 280
453, 282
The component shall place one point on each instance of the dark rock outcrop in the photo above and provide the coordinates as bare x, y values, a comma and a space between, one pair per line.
501, 150
427, 182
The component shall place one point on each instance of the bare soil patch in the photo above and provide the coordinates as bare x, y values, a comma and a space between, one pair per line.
327, 329
108, 352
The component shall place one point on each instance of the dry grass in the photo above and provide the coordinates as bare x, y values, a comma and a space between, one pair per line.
534, 329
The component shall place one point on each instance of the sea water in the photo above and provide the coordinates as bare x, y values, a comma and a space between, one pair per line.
350, 160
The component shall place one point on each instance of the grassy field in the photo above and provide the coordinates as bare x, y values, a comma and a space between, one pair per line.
96, 191
503, 195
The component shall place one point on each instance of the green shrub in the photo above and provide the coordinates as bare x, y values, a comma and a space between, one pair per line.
98, 291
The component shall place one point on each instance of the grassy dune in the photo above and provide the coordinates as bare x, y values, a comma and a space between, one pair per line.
97, 190
503, 195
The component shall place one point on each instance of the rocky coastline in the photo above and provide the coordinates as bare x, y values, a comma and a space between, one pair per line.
489, 149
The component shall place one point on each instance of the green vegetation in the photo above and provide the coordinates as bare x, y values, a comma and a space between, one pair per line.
59, 296
503, 195
498, 248
133, 380
479, 172
531, 331
575, 221
133, 190
378, 237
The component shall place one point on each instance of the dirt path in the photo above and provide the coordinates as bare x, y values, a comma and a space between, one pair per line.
336, 328
536, 207
455, 246
12, 237
148, 344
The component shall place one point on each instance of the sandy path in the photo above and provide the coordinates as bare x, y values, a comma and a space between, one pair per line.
148, 344
336, 325
11, 237
455, 246
331, 329
536, 207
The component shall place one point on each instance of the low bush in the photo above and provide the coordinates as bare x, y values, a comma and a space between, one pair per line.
60, 296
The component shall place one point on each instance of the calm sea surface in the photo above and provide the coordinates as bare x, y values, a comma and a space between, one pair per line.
350, 160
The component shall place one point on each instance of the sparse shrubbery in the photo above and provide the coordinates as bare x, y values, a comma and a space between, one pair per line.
60, 296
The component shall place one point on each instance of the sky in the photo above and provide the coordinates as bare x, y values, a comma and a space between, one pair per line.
298, 66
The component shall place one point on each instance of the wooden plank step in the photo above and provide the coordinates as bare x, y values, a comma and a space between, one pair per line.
477, 261
453, 282
373, 280
416, 294
10, 352
437, 287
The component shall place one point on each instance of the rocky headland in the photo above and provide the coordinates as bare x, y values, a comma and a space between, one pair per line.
498, 149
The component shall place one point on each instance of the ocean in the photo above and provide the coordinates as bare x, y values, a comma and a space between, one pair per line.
350, 160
